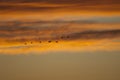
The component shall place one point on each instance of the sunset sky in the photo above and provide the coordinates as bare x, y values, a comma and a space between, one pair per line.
72, 39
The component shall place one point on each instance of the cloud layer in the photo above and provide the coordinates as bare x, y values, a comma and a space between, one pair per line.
22, 31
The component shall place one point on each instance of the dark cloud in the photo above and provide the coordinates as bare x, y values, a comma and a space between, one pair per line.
106, 34
53, 30
96, 5
26, 8
67, 1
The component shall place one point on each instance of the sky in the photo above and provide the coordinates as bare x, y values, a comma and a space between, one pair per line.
59, 39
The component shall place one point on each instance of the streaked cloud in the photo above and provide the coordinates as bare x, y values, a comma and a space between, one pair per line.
59, 6
27, 22
53, 30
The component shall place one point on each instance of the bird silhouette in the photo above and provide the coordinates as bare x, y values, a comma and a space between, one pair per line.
62, 37
56, 41
49, 41
68, 36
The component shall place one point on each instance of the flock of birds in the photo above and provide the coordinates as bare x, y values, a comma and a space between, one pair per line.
50, 41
